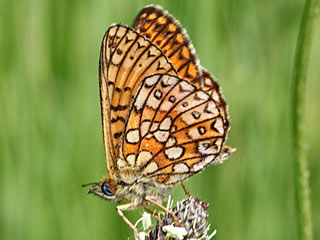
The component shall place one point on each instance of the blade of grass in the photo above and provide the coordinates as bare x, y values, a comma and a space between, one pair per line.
298, 106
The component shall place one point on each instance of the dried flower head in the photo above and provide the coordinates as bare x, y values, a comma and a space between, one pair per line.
192, 214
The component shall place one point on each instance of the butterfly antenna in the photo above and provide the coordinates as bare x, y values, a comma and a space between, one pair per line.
88, 184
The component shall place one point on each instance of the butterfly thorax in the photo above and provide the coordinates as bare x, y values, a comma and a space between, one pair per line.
126, 189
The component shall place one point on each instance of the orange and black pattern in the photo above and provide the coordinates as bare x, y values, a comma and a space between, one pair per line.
164, 31
126, 59
172, 128
163, 115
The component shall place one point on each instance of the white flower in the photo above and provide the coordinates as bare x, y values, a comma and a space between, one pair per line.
142, 236
176, 232
146, 221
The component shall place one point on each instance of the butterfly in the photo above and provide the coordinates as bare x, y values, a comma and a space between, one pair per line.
163, 116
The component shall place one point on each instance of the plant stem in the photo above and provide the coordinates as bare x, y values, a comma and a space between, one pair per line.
300, 71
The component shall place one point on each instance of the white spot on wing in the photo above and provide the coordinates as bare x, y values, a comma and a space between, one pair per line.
112, 30
215, 96
133, 136
121, 31
144, 127
207, 81
154, 51
151, 167
219, 125
198, 166
142, 42
150, 81
187, 118
149, 135
193, 133
153, 102
209, 159
180, 168
176, 178
158, 94
131, 159
116, 58
141, 98
211, 107
174, 152
165, 124
154, 126
165, 106
161, 136
169, 80
143, 157
121, 163
172, 141
187, 86
202, 95
204, 162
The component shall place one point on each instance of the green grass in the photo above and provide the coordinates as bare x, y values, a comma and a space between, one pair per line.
50, 134
300, 73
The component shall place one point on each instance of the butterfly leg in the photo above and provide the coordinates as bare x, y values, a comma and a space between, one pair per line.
185, 189
126, 207
153, 213
150, 200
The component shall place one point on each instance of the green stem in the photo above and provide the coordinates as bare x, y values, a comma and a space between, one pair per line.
298, 108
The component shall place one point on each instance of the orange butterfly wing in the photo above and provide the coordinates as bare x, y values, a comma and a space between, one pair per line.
173, 130
126, 58
163, 30
166, 32
212, 88
160, 125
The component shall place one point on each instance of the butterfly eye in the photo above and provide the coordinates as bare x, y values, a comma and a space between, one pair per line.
106, 190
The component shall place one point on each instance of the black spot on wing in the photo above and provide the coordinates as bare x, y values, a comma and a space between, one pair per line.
118, 89
113, 120
117, 135
119, 107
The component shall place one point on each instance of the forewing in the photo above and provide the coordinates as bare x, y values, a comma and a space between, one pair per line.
166, 32
173, 130
126, 59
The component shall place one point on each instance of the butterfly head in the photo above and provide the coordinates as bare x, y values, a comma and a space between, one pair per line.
105, 189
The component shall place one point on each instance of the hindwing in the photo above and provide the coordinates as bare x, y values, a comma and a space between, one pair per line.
173, 128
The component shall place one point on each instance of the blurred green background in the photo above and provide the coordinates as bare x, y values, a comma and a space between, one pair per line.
50, 126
